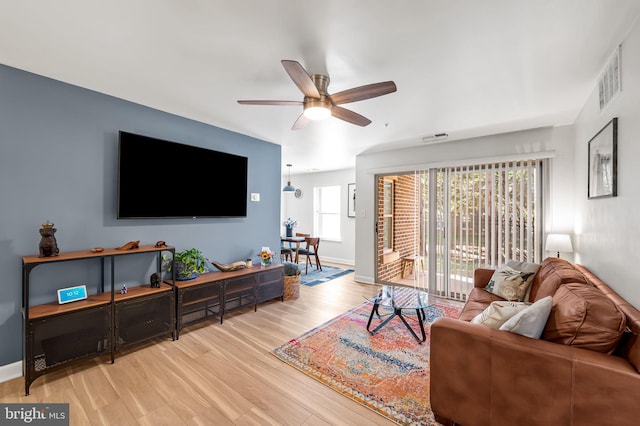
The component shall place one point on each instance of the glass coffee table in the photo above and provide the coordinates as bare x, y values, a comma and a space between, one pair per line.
398, 299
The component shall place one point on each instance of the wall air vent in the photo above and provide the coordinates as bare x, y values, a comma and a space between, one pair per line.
609, 84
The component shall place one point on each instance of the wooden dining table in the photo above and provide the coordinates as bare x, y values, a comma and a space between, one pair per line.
293, 240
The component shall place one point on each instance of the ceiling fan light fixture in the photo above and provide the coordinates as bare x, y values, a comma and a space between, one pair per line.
317, 113
317, 109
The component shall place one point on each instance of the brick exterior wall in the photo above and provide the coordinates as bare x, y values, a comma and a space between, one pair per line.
406, 223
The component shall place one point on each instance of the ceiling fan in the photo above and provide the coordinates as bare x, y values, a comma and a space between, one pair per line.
319, 104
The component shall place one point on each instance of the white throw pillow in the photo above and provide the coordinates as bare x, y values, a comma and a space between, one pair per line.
512, 280
530, 322
498, 312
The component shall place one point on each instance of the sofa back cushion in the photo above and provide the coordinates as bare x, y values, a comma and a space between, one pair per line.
629, 346
583, 316
553, 272
477, 301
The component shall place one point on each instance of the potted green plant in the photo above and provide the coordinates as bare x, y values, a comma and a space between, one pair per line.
189, 264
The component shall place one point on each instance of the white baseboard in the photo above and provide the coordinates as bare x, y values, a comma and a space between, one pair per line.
363, 279
10, 371
347, 262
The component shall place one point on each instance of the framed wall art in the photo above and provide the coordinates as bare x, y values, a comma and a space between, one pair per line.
351, 200
603, 162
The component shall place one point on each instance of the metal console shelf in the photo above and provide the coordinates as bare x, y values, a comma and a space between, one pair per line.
216, 293
56, 334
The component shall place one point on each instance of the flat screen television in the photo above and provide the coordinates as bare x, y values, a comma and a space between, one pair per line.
162, 179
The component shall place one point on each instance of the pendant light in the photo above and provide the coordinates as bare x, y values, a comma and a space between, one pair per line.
289, 187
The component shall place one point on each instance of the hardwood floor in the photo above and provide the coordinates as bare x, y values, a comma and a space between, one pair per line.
215, 374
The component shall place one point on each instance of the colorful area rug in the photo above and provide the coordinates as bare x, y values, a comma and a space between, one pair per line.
316, 276
387, 372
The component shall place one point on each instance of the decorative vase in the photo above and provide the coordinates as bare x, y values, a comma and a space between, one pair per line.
265, 262
182, 274
289, 231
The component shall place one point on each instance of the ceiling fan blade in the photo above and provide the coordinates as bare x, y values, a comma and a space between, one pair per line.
349, 116
363, 92
301, 122
301, 78
294, 103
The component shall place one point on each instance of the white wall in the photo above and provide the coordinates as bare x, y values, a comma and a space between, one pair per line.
517, 145
301, 209
608, 230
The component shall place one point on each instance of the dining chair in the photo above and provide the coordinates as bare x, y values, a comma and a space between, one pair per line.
311, 250
287, 249
286, 253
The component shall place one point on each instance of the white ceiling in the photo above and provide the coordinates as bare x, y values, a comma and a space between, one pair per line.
464, 67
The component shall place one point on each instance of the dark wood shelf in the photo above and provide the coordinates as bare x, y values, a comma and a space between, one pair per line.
139, 291
54, 308
209, 277
88, 254
57, 334
213, 294
200, 300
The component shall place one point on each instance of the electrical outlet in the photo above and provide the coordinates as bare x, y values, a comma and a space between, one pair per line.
255, 196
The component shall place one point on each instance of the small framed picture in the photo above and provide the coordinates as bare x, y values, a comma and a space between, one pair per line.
351, 200
603, 162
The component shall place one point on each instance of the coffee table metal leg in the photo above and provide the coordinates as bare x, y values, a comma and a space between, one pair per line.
383, 323
398, 313
374, 310
421, 311
424, 336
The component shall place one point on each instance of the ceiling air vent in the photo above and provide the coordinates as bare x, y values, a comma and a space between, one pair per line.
435, 138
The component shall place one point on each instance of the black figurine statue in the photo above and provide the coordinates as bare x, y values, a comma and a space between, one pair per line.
155, 280
48, 243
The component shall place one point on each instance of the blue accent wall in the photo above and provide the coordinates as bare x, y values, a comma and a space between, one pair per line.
58, 162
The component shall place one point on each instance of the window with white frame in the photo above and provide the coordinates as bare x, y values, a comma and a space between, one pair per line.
326, 207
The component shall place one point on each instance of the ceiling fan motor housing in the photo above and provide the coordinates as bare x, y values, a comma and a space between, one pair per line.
321, 82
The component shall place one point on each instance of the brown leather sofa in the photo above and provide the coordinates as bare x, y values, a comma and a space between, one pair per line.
583, 370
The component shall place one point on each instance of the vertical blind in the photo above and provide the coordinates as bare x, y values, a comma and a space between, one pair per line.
486, 215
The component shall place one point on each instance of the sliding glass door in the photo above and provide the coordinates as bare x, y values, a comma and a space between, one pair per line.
459, 219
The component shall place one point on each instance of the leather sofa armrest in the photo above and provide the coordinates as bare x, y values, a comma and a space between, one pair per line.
483, 376
481, 277
460, 368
